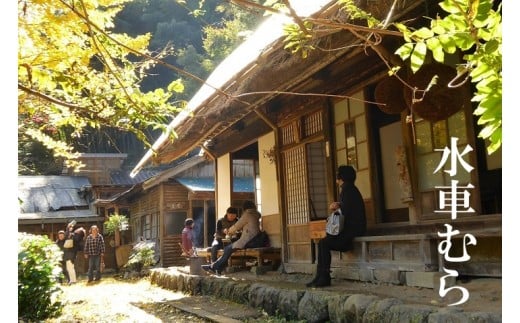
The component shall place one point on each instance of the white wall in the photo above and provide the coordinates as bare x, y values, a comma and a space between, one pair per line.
268, 181
223, 187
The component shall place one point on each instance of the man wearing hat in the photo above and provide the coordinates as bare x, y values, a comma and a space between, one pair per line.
60, 242
353, 208
187, 238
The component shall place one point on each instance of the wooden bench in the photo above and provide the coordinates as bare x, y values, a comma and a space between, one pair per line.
416, 252
388, 257
259, 255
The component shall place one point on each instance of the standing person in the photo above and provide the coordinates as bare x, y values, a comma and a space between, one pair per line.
187, 237
79, 240
223, 224
60, 242
94, 251
249, 223
353, 209
69, 254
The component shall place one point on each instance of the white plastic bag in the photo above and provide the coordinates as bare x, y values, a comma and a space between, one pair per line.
335, 223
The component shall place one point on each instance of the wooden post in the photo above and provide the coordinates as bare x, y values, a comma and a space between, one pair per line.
117, 238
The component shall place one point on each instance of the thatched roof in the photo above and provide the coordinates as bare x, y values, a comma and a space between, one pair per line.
255, 74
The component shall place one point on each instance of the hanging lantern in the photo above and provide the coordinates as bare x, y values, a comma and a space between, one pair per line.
389, 95
440, 101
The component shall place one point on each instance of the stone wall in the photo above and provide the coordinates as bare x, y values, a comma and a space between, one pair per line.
312, 305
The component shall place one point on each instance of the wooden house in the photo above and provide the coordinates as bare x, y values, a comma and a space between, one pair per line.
108, 179
49, 203
297, 119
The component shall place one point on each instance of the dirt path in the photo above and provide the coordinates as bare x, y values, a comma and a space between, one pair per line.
116, 300
112, 300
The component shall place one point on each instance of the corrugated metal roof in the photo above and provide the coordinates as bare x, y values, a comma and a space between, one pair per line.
198, 184
121, 177
243, 184
60, 216
116, 196
177, 168
51, 193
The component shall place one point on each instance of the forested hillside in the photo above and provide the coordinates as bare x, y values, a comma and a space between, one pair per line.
191, 35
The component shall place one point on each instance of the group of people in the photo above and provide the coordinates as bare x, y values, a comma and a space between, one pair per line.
239, 233
249, 227
72, 240
232, 233
350, 203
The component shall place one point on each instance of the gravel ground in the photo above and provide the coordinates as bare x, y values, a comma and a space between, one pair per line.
121, 300
114, 300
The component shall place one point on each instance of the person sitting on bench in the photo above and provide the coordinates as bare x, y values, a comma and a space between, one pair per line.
249, 223
353, 208
223, 224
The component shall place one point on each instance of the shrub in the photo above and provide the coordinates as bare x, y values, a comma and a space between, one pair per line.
39, 268
116, 222
143, 255
115, 225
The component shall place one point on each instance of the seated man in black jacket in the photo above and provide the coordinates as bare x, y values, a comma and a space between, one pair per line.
353, 208
223, 224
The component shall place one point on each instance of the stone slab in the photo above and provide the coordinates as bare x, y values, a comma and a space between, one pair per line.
427, 279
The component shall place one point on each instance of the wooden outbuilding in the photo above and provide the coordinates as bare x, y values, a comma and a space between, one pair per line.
158, 206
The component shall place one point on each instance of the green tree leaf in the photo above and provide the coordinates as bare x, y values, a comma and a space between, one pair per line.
434, 45
418, 56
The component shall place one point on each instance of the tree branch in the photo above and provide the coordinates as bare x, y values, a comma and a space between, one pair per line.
350, 27
48, 98
298, 20
95, 44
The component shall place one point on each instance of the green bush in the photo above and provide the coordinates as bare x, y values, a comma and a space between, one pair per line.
39, 268
116, 222
142, 256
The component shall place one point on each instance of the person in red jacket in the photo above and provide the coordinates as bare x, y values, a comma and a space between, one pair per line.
187, 238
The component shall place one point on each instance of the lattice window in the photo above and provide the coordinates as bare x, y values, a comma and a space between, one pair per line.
317, 175
313, 124
155, 226
288, 135
296, 186
146, 226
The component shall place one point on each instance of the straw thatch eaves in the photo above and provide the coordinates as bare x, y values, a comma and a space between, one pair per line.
341, 62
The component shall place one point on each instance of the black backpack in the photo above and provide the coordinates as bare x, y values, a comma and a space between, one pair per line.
261, 240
